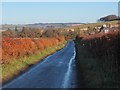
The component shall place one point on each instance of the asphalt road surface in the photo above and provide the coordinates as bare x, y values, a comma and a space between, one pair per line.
56, 71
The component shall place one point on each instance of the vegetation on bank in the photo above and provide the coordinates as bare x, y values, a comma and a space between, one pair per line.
18, 66
20, 53
98, 60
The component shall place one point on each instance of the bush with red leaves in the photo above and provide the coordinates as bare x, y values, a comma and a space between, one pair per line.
19, 47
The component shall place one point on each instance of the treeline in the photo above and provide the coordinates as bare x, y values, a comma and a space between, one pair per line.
38, 33
109, 18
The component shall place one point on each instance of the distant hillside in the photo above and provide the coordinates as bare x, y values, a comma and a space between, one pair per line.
40, 25
52, 25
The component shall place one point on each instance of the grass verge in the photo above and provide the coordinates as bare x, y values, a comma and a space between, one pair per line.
19, 66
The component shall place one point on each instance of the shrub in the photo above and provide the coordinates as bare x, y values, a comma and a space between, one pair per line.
19, 47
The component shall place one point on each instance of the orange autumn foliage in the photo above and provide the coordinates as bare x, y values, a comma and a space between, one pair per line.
19, 47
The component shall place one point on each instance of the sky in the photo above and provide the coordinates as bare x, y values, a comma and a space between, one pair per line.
55, 12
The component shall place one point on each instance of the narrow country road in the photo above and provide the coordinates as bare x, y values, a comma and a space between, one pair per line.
55, 71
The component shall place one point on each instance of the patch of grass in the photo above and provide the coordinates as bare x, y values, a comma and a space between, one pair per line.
17, 66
